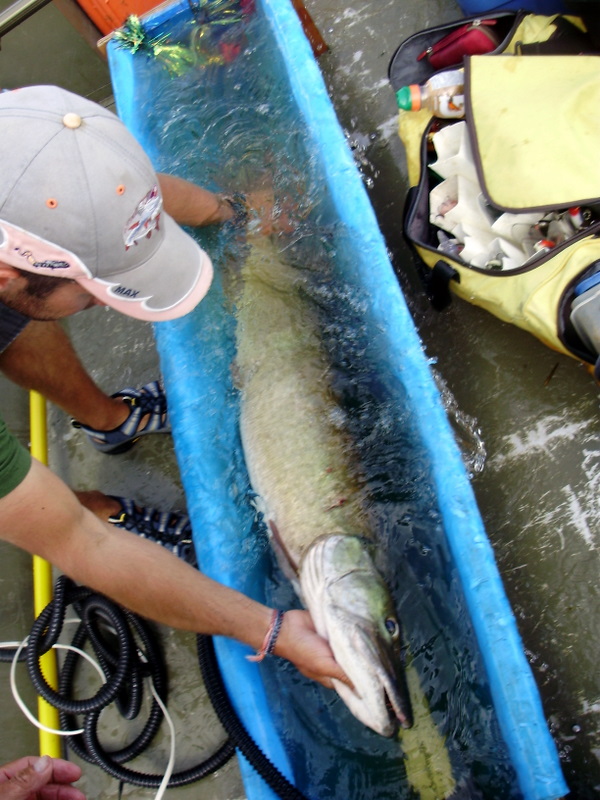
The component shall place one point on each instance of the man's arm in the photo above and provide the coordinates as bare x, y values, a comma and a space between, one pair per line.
44, 517
190, 204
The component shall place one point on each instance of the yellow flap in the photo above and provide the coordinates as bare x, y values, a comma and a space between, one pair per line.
411, 129
535, 125
537, 28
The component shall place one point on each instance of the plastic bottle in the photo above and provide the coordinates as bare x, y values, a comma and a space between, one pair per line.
442, 94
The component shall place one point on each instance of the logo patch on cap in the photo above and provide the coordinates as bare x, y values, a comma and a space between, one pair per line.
144, 219
124, 291
47, 264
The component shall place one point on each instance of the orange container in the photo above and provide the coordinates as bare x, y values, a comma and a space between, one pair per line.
108, 15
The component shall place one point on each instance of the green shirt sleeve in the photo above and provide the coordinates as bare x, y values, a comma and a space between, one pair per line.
15, 461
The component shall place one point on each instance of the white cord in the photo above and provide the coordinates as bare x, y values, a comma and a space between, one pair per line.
171, 765
15, 692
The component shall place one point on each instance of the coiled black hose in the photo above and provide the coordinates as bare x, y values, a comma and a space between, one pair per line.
234, 727
127, 652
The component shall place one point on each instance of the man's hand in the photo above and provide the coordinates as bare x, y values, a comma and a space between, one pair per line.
299, 642
267, 217
39, 778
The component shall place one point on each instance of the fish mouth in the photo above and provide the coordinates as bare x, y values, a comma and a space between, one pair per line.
393, 683
385, 663
395, 719
398, 711
380, 698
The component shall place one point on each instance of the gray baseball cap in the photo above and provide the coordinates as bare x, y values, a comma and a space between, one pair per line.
80, 199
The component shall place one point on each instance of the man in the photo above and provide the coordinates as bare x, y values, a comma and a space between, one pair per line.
37, 354
82, 223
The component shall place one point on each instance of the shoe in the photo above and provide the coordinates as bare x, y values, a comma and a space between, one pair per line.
171, 529
150, 399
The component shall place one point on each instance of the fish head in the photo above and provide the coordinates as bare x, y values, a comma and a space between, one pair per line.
352, 608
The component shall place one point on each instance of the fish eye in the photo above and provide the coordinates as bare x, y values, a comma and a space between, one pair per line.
392, 627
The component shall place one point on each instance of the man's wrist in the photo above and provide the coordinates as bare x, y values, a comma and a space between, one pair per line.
238, 206
268, 645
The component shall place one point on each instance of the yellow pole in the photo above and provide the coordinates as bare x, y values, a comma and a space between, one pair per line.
50, 743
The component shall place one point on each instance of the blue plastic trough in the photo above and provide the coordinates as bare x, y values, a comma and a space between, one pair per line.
196, 354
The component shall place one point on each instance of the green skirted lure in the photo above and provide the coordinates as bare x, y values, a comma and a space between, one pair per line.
176, 58
211, 41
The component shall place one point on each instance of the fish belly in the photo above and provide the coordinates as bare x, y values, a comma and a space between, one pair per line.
292, 430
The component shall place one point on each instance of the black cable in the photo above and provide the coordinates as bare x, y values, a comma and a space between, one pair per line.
86, 604
234, 727
127, 651
128, 702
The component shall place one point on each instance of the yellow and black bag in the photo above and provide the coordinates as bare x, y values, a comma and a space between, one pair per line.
524, 162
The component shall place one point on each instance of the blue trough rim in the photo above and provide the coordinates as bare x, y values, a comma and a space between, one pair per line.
515, 694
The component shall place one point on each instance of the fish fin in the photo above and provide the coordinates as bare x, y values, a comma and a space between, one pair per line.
286, 562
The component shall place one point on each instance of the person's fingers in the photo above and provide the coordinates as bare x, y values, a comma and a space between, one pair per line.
8, 770
339, 675
60, 791
328, 671
42, 777
311, 653
64, 771
23, 781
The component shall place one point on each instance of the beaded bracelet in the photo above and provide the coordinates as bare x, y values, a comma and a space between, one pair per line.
271, 635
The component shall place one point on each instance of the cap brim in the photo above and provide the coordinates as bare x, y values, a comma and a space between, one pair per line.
168, 285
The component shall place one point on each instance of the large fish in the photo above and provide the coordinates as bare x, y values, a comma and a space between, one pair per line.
300, 466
